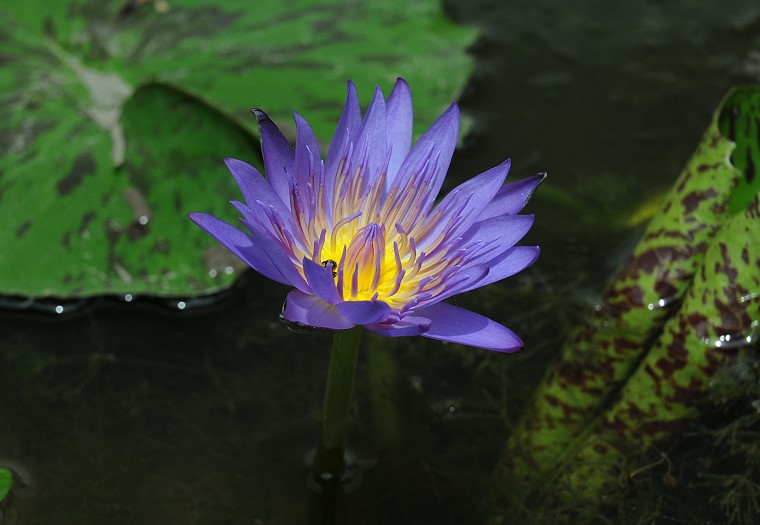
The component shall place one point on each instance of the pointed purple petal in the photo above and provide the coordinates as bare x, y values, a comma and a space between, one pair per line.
512, 197
457, 325
476, 193
310, 310
398, 127
500, 232
371, 142
255, 187
248, 179
507, 264
279, 157
465, 279
484, 187
307, 151
408, 326
364, 312
321, 281
244, 246
347, 129
255, 217
442, 136
279, 255
260, 219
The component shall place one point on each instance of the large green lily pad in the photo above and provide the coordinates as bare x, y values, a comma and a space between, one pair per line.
87, 155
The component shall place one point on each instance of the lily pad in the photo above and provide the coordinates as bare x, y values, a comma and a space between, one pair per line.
85, 151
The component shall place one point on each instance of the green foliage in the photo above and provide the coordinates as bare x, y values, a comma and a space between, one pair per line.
739, 121
741, 501
6, 480
90, 147
734, 465
633, 376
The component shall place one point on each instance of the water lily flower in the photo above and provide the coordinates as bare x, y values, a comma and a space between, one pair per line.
359, 236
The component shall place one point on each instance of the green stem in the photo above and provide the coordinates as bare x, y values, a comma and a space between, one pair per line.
329, 462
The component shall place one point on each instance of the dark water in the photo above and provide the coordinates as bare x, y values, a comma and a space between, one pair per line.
135, 413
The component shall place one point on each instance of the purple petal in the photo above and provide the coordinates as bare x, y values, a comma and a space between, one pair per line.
279, 157
347, 128
457, 325
474, 195
499, 233
398, 127
248, 179
307, 152
321, 281
364, 312
408, 326
265, 222
442, 137
512, 197
256, 217
310, 310
279, 254
255, 187
484, 187
465, 279
244, 246
507, 264
371, 142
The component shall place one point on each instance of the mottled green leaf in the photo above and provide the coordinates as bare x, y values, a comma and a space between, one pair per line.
172, 166
740, 122
718, 318
78, 161
6, 480
662, 282
125, 230
600, 355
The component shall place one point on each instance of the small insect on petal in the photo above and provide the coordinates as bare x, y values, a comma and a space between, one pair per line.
333, 266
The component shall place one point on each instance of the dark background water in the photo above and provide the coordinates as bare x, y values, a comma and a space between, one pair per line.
137, 413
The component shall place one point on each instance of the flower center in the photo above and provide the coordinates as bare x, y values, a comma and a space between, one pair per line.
368, 262
364, 259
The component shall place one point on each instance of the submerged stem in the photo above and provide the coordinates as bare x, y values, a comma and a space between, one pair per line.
329, 462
